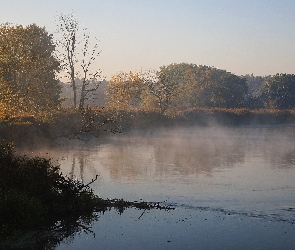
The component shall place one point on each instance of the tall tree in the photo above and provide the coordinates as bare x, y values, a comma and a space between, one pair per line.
90, 81
68, 27
28, 66
75, 60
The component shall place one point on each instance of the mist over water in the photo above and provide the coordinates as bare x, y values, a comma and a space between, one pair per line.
242, 173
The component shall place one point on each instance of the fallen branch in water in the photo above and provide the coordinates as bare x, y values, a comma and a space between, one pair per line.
121, 205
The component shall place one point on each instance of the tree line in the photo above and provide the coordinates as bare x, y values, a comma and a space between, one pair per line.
182, 86
31, 59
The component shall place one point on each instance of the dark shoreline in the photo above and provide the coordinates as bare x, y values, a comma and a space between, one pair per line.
26, 131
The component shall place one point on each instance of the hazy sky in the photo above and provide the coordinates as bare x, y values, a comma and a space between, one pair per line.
240, 36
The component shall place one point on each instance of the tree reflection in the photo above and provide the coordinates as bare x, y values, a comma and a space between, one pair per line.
183, 152
80, 163
165, 156
188, 157
280, 155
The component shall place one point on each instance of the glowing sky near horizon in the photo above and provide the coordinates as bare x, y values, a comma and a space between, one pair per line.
240, 36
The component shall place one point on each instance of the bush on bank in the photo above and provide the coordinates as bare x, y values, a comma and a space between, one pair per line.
33, 193
35, 196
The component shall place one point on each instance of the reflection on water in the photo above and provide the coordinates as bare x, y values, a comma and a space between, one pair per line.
235, 171
232, 166
183, 152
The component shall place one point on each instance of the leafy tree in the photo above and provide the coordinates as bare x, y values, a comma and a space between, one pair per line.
163, 86
125, 90
193, 88
68, 27
28, 68
214, 87
178, 75
279, 91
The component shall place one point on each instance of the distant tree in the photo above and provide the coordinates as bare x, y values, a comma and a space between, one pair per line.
77, 66
194, 85
279, 91
218, 88
125, 90
28, 68
255, 84
163, 86
204, 86
178, 79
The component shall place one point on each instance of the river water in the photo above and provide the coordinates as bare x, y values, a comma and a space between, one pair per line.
232, 188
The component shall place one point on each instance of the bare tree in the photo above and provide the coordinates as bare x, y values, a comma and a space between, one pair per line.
90, 81
68, 27
72, 61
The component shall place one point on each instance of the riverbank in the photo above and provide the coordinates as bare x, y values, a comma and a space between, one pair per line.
73, 124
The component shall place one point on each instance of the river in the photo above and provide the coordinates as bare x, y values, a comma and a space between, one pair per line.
232, 188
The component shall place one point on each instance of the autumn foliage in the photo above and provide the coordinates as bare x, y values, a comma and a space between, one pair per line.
28, 70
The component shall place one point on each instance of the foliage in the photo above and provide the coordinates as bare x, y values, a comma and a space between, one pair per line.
35, 191
8, 100
279, 91
255, 84
217, 88
125, 90
163, 86
27, 70
177, 87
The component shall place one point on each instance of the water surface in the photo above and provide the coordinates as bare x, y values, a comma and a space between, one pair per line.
231, 187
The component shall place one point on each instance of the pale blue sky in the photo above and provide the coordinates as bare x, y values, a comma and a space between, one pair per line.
240, 36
